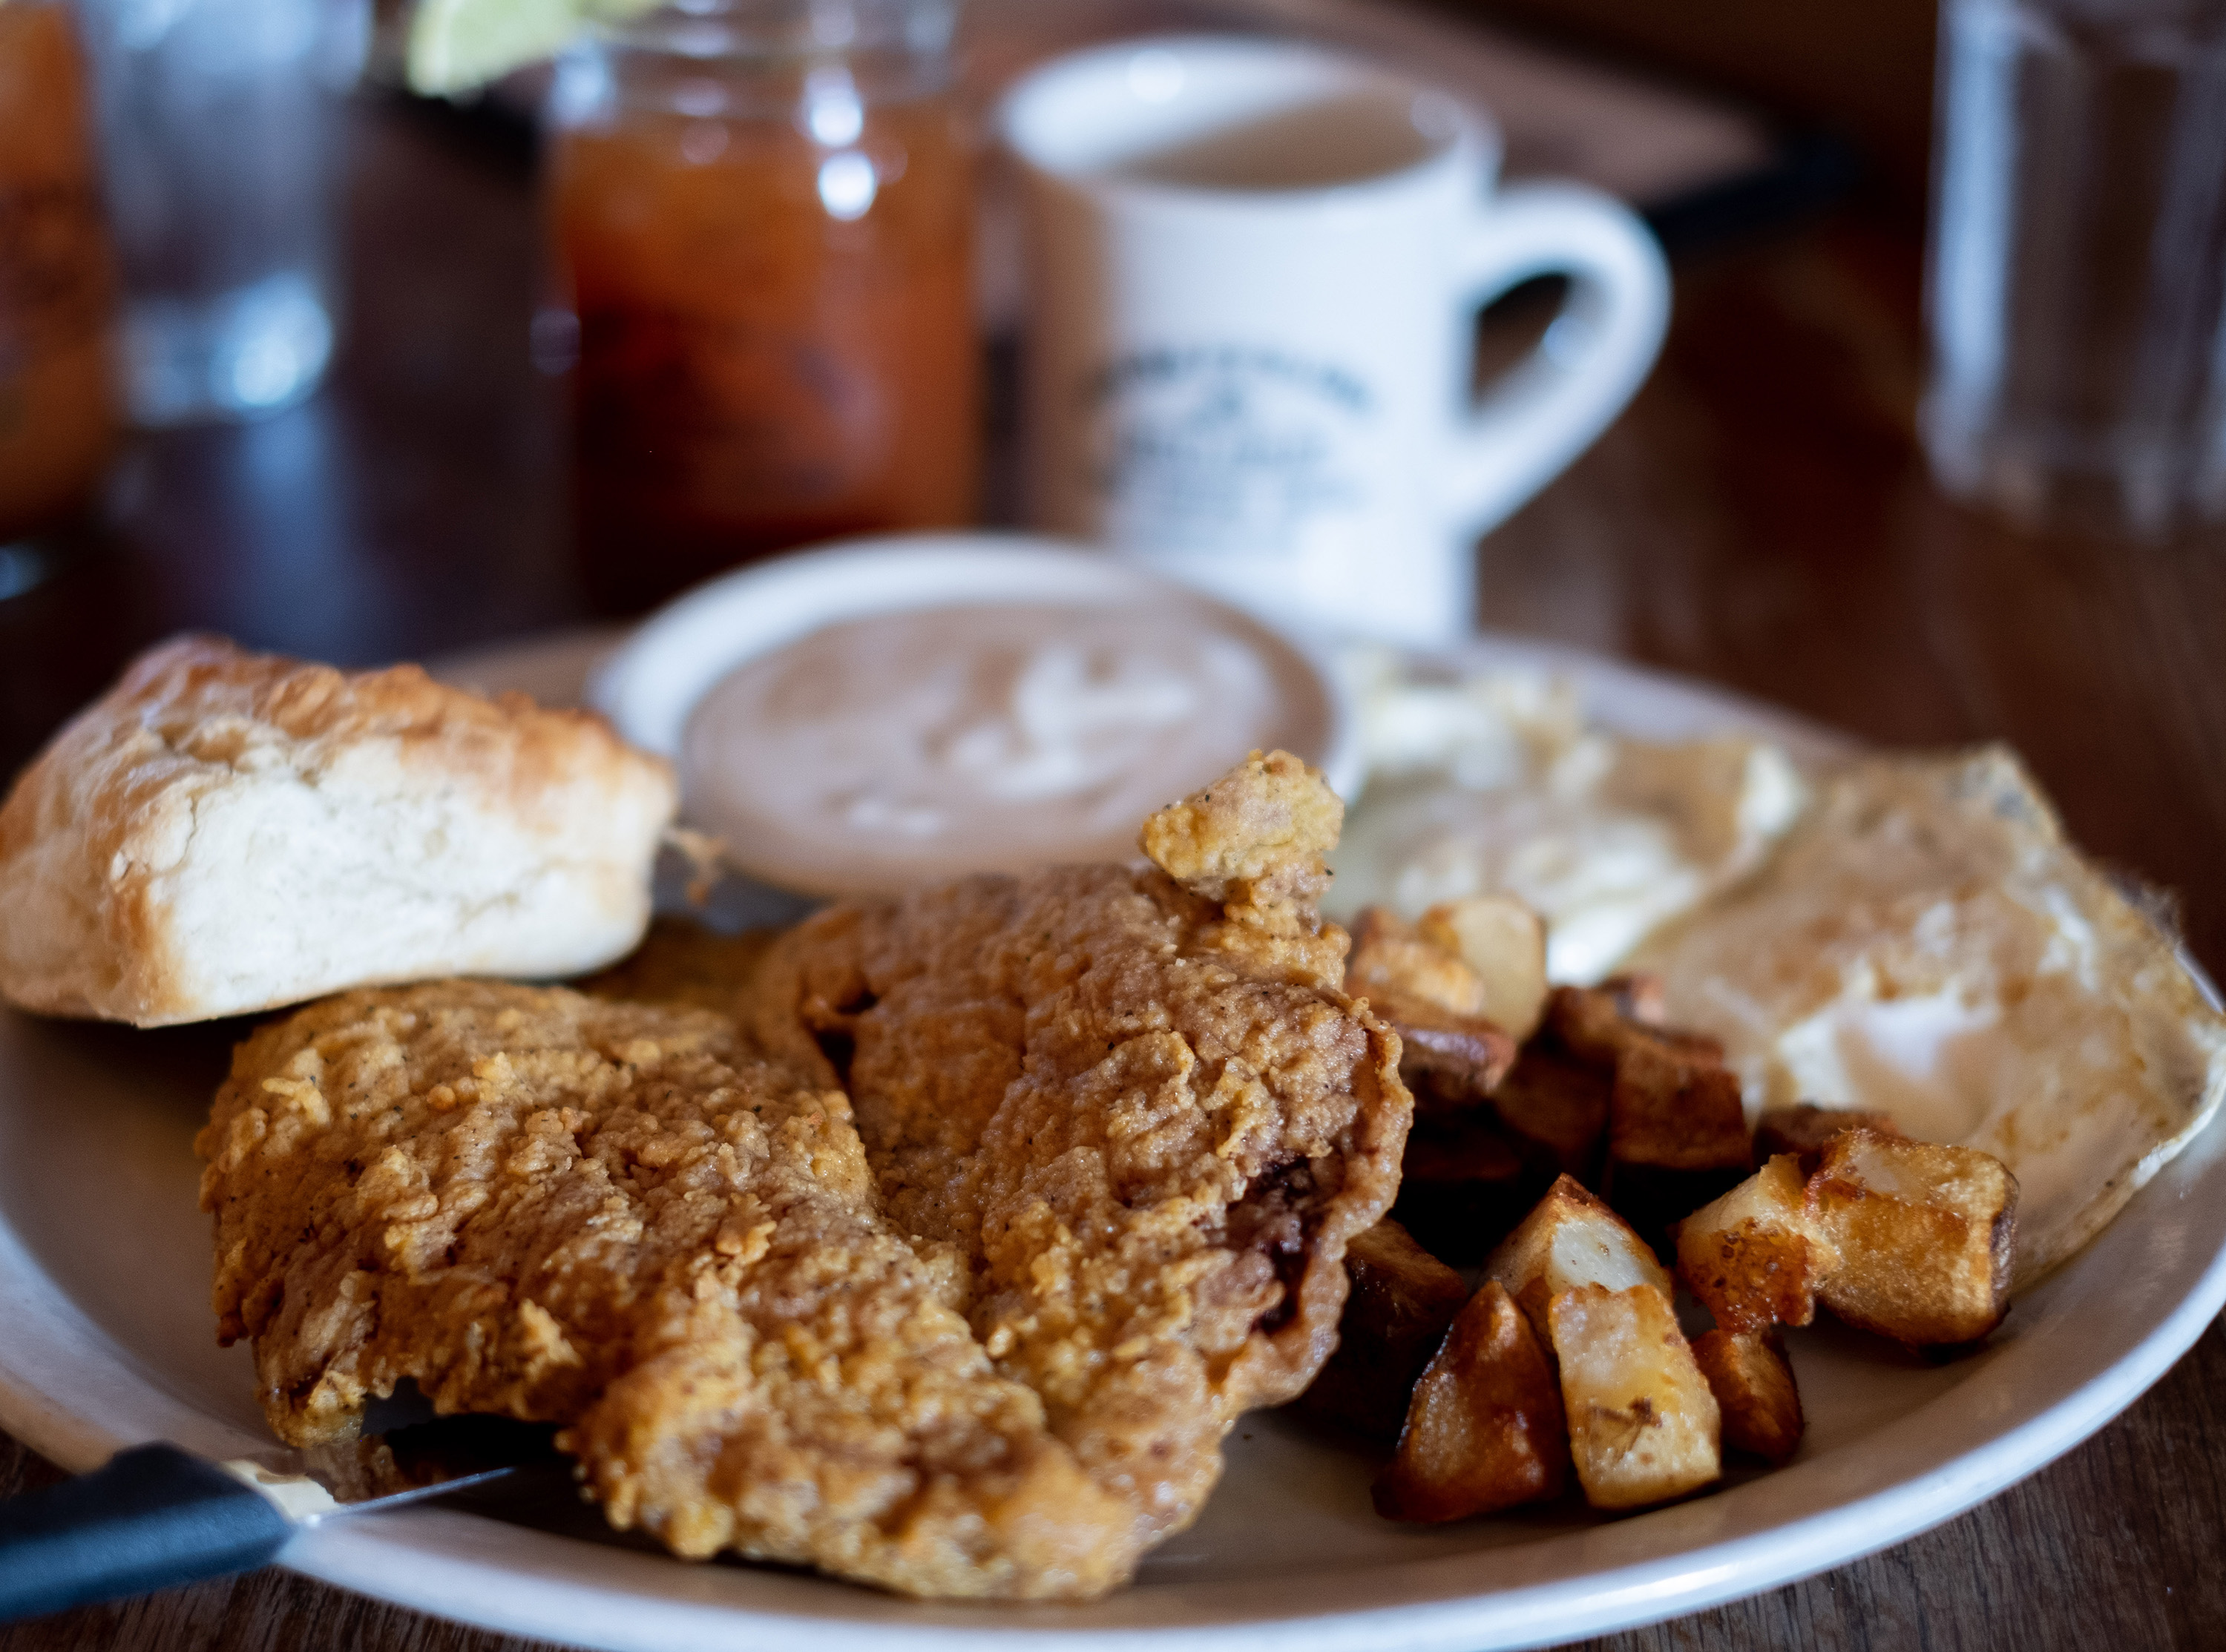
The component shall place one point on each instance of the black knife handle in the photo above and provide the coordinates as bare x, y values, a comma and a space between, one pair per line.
155, 1517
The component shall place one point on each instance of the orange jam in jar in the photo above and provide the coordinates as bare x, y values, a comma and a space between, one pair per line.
763, 211
57, 408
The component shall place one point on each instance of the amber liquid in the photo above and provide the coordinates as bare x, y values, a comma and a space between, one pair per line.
58, 411
762, 361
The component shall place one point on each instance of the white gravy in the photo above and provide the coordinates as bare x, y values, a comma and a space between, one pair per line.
886, 752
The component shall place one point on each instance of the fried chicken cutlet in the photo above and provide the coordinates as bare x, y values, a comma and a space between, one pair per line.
993, 1358
1137, 1104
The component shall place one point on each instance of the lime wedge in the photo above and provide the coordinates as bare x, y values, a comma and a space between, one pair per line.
458, 45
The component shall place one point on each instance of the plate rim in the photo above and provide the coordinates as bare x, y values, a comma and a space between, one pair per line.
439, 1573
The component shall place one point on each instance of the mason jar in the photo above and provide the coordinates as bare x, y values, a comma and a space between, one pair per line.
761, 213
59, 412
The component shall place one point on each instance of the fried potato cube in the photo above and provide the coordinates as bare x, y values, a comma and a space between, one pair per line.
1400, 1301
1925, 1234
1504, 942
1571, 1239
1644, 1425
1748, 1372
1462, 1185
1553, 1108
1484, 1429
1754, 1257
1677, 1136
1602, 1025
1450, 1062
1808, 1129
1388, 955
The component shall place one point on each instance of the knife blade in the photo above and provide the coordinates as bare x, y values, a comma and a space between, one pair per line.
156, 1516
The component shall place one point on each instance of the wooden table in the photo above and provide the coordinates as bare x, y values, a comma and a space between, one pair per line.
1760, 518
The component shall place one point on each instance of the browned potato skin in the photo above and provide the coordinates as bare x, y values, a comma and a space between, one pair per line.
1450, 1062
1753, 1385
1677, 1136
1484, 1430
1400, 1301
1750, 1279
1451, 1057
1764, 1269
1926, 1274
1555, 1109
1676, 1131
1601, 1025
1463, 1184
1806, 1130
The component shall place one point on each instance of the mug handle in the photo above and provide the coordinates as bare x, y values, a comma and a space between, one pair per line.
1532, 419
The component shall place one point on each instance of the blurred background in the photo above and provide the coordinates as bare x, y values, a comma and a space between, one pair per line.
392, 478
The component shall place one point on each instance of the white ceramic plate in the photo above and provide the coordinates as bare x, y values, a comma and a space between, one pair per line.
105, 1341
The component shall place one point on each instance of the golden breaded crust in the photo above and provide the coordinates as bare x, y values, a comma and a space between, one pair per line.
223, 832
1148, 1121
545, 1205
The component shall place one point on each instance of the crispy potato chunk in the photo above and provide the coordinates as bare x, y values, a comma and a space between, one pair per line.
1754, 1257
1450, 1062
1462, 1185
1753, 1384
1676, 1131
1388, 954
1808, 1129
1603, 1024
1504, 942
1925, 1234
1553, 1108
1643, 1424
1452, 1056
1677, 1136
1484, 1430
1570, 1240
1400, 1301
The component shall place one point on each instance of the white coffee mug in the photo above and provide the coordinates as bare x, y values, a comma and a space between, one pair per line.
1255, 268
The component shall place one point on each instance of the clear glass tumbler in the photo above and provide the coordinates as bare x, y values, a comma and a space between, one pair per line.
216, 125
2076, 292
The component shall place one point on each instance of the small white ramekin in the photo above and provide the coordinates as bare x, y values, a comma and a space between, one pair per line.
649, 687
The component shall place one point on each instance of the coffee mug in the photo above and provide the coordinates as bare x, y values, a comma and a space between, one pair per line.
1255, 268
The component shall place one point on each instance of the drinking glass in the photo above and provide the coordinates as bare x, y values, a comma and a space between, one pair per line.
217, 132
2077, 279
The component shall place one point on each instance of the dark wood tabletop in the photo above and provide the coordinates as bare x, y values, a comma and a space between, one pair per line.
1760, 518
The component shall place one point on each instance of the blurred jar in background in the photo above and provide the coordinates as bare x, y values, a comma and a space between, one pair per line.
762, 212
2077, 291
58, 417
218, 145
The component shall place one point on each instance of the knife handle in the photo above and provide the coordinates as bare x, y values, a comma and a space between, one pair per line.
154, 1518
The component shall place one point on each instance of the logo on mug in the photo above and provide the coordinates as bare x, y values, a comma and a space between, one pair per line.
1225, 449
